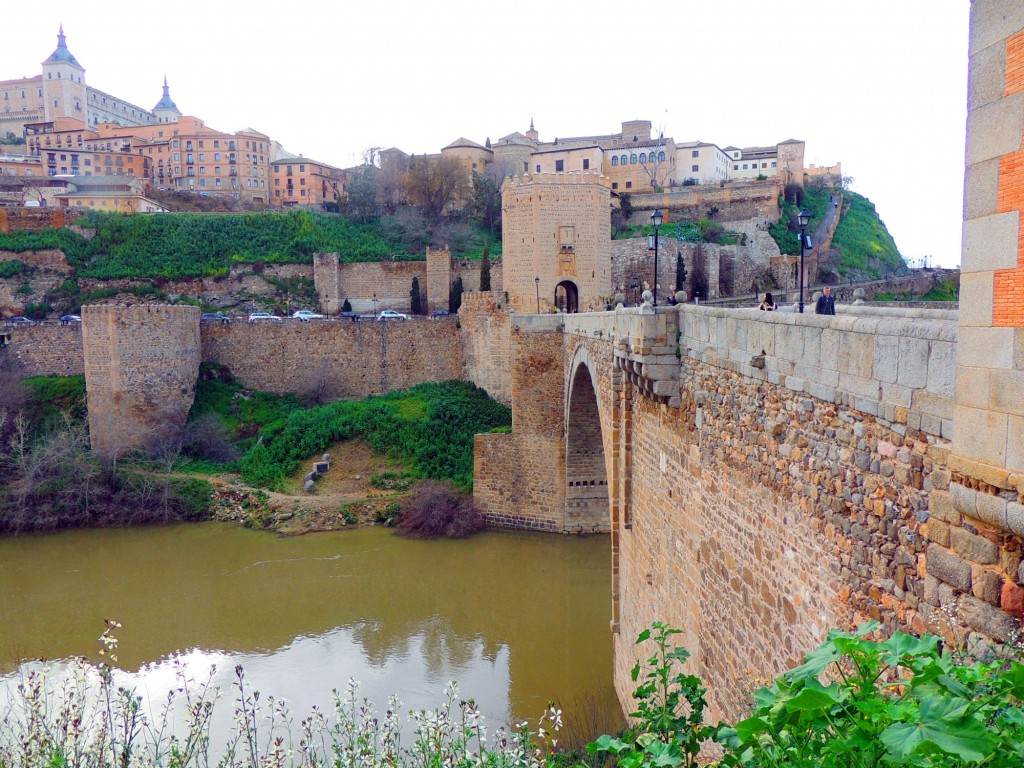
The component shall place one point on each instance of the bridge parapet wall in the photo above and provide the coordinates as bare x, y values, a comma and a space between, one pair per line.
898, 367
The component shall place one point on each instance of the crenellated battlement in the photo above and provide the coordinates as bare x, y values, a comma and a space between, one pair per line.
576, 178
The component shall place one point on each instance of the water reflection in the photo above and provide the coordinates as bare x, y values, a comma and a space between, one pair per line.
516, 619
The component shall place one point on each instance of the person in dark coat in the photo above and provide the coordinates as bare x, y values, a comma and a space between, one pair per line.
826, 303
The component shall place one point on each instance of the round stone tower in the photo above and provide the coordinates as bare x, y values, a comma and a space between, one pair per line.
141, 367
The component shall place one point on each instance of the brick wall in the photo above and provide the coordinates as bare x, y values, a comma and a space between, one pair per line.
336, 359
46, 350
740, 200
141, 364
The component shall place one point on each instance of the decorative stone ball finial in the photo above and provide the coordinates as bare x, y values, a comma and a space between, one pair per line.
648, 300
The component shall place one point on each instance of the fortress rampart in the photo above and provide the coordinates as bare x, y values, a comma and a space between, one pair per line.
336, 359
141, 365
46, 350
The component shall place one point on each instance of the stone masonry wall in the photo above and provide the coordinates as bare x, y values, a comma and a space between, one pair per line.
738, 200
46, 350
141, 365
519, 477
486, 343
336, 358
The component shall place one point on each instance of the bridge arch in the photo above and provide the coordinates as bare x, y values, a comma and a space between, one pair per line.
587, 470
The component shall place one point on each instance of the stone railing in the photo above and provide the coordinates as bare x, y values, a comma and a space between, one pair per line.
898, 366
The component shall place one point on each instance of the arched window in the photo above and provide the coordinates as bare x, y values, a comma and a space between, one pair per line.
615, 159
643, 157
632, 159
622, 161
661, 157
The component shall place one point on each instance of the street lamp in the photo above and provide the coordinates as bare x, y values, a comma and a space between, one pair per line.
804, 218
536, 283
656, 219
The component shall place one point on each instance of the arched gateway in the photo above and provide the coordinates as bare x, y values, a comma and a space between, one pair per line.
587, 507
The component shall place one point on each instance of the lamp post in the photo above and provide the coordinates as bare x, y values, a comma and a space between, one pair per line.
635, 286
804, 218
536, 283
656, 219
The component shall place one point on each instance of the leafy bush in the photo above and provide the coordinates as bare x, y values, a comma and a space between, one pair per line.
14, 268
430, 426
391, 481
437, 510
863, 241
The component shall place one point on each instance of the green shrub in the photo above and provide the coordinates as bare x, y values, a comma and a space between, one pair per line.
14, 268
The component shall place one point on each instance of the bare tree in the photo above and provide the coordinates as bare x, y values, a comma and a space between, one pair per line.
433, 183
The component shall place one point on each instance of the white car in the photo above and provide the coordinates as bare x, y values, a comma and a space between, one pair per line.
305, 315
390, 314
254, 316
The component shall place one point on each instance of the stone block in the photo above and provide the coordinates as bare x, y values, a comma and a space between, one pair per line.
940, 478
913, 362
972, 387
886, 358
993, 130
977, 295
864, 405
1015, 443
992, 21
931, 590
1012, 599
986, 585
981, 435
940, 505
948, 568
938, 532
977, 549
1015, 519
990, 509
857, 355
990, 242
981, 188
964, 499
941, 368
987, 619
896, 395
986, 76
830, 349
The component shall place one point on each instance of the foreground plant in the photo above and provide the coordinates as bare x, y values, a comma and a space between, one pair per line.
858, 703
670, 710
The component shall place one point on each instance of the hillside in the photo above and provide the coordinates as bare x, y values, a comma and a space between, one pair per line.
862, 241
174, 245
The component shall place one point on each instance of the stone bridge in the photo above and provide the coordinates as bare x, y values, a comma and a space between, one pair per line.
764, 477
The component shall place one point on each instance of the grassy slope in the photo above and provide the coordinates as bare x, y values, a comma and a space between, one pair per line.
198, 245
862, 240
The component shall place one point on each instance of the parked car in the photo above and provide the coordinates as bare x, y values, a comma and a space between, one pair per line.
69, 319
353, 316
216, 317
306, 315
21, 320
440, 313
390, 314
254, 316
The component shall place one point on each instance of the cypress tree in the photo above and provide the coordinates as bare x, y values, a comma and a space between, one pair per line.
414, 297
456, 297
485, 269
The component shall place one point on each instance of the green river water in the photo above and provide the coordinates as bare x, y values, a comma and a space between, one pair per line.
516, 619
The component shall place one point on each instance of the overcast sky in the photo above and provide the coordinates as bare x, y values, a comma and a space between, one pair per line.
879, 86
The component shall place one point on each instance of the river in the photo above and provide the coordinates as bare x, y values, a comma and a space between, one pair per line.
516, 619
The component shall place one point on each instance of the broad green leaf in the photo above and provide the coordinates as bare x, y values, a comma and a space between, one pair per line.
943, 725
815, 662
901, 645
814, 696
748, 729
607, 743
1013, 679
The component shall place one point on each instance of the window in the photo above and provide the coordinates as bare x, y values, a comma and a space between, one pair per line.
202, 156
216, 155
302, 193
202, 170
764, 165
177, 156
615, 160
745, 166
202, 182
302, 168
643, 157
200, 144
736, 167
694, 168
661, 157
622, 160
538, 169
696, 153
615, 185
302, 181
773, 163
632, 159
586, 163
217, 183
188, 158
559, 165
175, 144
